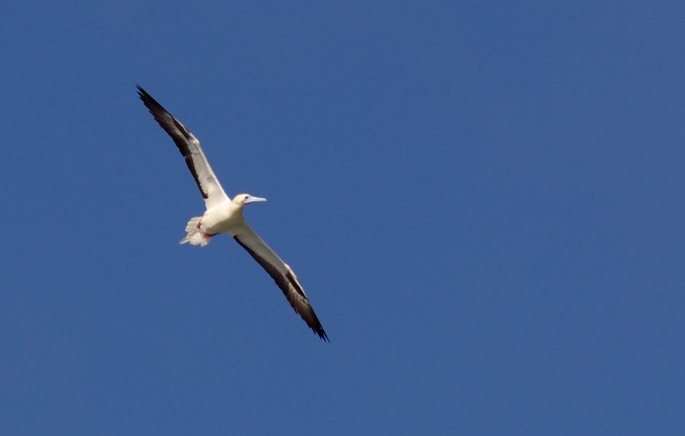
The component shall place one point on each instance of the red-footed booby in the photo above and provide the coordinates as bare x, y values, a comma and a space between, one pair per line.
224, 215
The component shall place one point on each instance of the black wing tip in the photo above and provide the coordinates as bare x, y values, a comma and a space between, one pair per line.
322, 334
147, 99
141, 91
314, 324
312, 321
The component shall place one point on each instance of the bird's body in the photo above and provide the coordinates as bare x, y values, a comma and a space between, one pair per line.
223, 218
223, 215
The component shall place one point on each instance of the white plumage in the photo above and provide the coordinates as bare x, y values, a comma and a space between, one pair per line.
224, 215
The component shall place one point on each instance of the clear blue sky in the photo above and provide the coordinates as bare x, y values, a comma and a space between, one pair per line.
483, 200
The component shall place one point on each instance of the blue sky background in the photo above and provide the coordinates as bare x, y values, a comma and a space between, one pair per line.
483, 200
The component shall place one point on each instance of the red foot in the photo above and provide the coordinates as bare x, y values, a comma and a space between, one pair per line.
204, 235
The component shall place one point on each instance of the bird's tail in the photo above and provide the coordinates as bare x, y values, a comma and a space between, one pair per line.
194, 235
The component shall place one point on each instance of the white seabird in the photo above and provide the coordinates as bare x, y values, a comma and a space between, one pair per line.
224, 215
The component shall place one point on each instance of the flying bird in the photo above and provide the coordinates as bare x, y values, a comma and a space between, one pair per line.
224, 215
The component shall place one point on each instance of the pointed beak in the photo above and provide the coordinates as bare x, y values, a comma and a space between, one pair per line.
252, 199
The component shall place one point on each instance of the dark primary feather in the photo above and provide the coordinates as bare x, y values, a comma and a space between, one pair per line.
291, 289
178, 132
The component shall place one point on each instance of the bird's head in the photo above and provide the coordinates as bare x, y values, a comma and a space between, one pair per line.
244, 199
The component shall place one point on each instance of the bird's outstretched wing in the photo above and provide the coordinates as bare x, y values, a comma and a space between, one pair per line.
281, 273
190, 148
